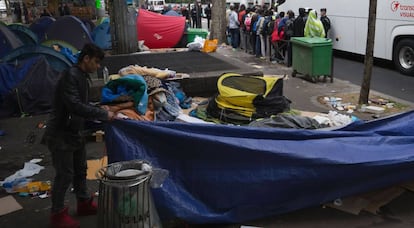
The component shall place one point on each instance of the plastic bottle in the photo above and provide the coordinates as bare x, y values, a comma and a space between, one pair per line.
105, 74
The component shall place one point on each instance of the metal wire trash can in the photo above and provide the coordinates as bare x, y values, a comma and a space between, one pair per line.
124, 196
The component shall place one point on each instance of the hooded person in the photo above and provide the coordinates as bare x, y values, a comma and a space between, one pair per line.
313, 26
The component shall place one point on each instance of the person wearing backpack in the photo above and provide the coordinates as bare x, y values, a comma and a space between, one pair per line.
246, 28
256, 31
277, 36
288, 34
254, 19
263, 32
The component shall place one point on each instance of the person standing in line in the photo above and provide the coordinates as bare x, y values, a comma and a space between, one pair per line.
207, 11
194, 16
313, 26
199, 11
66, 9
65, 140
256, 30
299, 24
326, 22
61, 10
186, 14
242, 30
234, 28
247, 25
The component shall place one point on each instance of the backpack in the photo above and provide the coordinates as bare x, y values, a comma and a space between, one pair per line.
269, 27
264, 30
288, 28
255, 24
248, 23
326, 23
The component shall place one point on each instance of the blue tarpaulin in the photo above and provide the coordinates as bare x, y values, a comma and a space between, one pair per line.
233, 174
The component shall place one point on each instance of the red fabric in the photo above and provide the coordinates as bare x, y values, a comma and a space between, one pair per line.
159, 31
276, 36
241, 14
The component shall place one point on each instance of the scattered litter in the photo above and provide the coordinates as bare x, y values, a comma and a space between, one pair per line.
333, 119
189, 119
44, 196
389, 105
379, 101
35, 160
374, 109
19, 178
338, 202
35, 186
94, 166
23, 194
8, 204
41, 125
376, 116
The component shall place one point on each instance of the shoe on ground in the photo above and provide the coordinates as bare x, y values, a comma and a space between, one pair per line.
62, 219
87, 207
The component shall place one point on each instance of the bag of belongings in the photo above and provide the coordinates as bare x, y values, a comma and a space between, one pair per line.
242, 99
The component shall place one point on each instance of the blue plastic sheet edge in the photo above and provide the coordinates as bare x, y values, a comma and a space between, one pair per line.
230, 174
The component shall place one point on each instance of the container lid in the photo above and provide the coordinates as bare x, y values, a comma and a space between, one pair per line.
196, 31
129, 173
311, 40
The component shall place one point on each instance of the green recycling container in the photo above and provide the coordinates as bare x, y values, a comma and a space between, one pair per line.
312, 56
193, 32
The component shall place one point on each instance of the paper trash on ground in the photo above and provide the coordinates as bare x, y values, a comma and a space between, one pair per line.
8, 204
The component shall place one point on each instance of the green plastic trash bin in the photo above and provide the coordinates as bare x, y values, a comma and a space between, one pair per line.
312, 57
193, 32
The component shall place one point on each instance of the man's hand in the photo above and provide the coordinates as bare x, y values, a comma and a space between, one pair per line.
111, 115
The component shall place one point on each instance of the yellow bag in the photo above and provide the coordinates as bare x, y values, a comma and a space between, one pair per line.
210, 46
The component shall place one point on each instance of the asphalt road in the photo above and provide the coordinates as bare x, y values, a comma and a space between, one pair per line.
384, 78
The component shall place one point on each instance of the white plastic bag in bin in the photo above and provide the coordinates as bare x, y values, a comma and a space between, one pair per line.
158, 175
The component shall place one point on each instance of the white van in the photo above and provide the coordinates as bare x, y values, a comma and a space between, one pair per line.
394, 36
156, 5
3, 6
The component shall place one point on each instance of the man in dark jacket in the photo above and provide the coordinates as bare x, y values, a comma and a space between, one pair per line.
207, 11
325, 21
64, 136
299, 24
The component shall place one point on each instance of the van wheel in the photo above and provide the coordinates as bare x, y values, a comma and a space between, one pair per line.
404, 56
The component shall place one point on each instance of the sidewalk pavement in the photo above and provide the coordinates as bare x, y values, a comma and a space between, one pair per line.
22, 143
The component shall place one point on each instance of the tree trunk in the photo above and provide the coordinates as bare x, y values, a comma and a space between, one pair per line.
369, 53
124, 34
218, 21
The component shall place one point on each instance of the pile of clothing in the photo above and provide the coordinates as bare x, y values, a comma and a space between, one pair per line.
141, 93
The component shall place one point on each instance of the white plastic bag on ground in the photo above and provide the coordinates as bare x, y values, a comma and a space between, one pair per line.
197, 44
